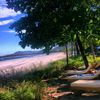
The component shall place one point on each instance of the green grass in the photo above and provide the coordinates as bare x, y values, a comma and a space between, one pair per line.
78, 61
75, 61
31, 85
22, 91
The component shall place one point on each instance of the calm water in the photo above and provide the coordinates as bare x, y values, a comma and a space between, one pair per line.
19, 57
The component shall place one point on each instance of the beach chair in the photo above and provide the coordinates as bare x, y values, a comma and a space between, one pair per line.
84, 76
86, 85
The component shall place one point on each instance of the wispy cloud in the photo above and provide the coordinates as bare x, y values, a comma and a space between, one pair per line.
10, 31
6, 22
5, 12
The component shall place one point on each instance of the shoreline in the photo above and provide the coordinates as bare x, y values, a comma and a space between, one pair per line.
26, 64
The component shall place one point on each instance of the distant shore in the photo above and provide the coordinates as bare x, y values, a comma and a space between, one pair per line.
11, 57
17, 55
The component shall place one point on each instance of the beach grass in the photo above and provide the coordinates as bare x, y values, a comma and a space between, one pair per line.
31, 86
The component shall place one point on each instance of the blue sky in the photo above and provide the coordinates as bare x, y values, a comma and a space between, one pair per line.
8, 39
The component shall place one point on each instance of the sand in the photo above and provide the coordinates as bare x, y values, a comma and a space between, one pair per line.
25, 64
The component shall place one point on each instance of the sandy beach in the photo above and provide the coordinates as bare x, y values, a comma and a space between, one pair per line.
26, 64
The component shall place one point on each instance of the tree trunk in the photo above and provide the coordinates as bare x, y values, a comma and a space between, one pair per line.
93, 52
77, 49
66, 54
71, 49
82, 51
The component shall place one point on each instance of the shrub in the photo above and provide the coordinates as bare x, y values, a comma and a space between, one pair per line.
24, 91
7, 96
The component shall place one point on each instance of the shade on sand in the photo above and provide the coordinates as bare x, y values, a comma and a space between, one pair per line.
86, 85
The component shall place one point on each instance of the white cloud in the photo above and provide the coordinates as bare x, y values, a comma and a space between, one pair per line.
6, 22
23, 31
5, 12
10, 31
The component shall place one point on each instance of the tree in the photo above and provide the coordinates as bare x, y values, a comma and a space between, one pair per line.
51, 22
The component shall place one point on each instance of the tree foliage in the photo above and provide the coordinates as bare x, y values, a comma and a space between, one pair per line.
50, 22
53, 18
